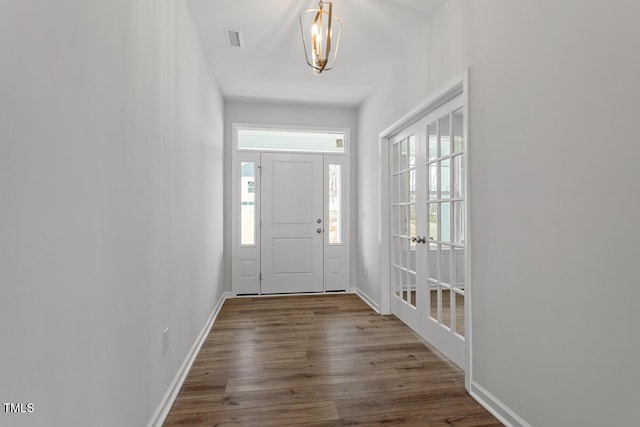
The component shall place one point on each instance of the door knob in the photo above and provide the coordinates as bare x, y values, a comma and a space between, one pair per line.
319, 230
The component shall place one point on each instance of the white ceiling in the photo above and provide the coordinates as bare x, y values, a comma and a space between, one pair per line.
272, 65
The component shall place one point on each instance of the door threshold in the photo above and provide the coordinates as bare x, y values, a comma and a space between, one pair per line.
284, 294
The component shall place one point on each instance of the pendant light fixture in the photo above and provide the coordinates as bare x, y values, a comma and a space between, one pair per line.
317, 27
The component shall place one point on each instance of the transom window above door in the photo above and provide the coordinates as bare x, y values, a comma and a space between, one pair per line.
291, 140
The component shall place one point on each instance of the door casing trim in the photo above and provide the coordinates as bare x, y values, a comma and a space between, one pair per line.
237, 152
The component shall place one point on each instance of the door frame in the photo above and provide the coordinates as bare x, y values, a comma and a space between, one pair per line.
238, 155
455, 87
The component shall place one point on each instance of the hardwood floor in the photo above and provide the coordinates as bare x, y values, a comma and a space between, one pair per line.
320, 360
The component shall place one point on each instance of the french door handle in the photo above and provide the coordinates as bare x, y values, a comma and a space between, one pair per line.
319, 230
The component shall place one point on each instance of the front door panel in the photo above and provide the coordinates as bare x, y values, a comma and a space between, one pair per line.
292, 223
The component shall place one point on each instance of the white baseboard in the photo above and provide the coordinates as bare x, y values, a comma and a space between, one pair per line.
499, 410
163, 408
366, 298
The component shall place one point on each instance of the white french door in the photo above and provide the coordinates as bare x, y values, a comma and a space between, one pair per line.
427, 230
406, 265
292, 223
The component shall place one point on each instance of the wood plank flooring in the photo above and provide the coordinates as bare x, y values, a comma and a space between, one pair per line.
320, 360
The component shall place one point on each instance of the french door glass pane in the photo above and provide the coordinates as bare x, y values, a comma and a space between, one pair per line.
445, 264
460, 314
458, 176
433, 221
436, 305
247, 203
403, 253
458, 222
403, 283
412, 150
458, 268
405, 220
433, 141
432, 261
446, 307
411, 288
404, 164
412, 222
412, 186
458, 129
445, 221
433, 181
445, 179
445, 140
412, 260
433, 301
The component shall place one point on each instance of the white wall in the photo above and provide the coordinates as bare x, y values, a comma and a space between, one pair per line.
237, 111
553, 154
111, 206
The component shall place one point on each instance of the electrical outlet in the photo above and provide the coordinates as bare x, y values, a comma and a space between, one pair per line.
165, 340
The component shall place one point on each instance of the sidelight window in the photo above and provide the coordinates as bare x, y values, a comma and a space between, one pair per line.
335, 204
247, 204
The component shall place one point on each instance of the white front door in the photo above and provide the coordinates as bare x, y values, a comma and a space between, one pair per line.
292, 233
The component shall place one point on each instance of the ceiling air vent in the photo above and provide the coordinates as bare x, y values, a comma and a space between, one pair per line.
234, 38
